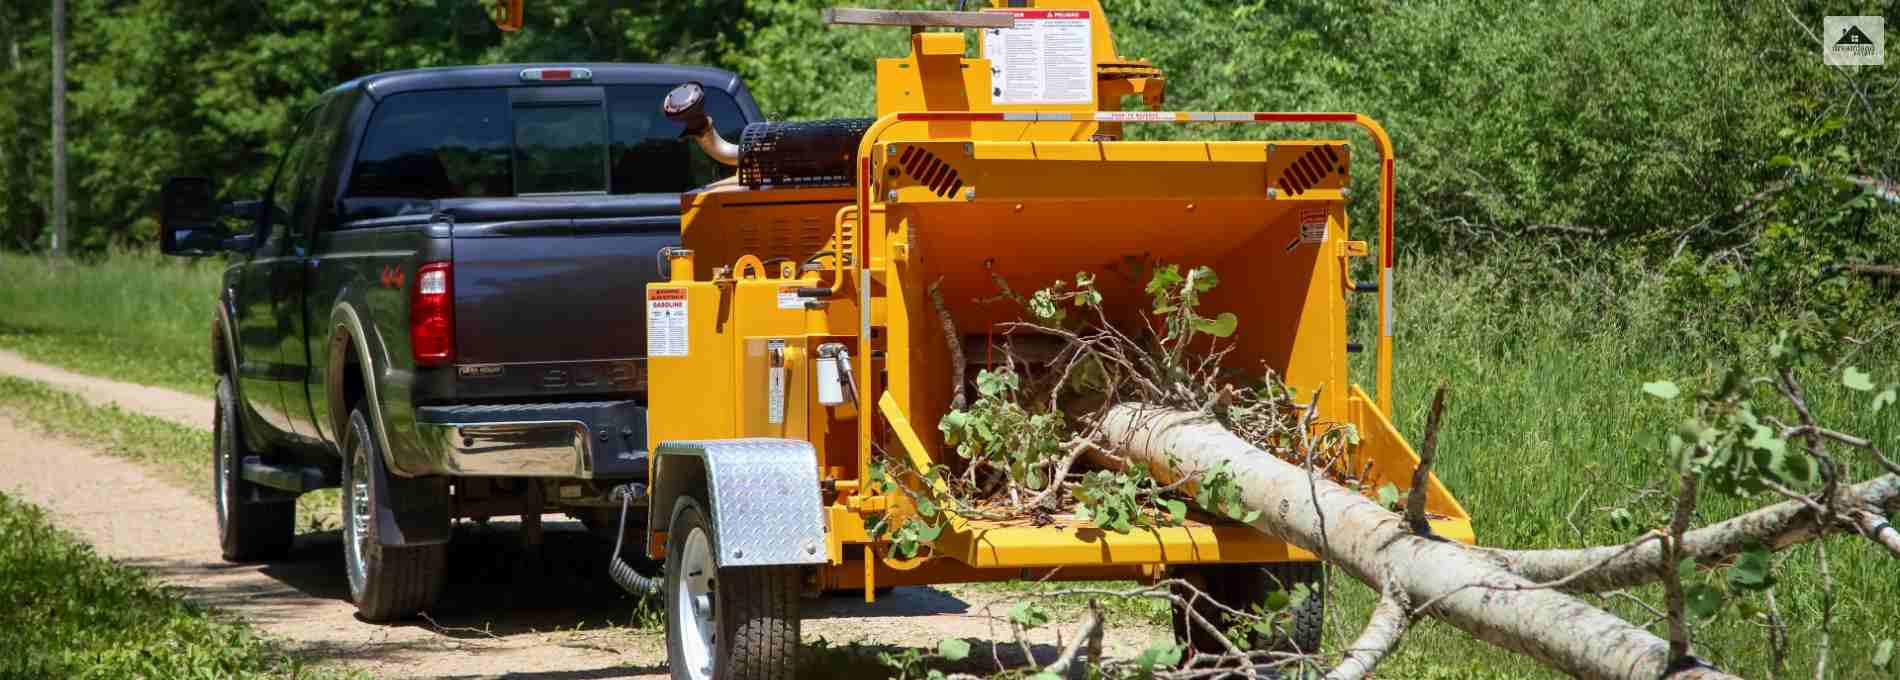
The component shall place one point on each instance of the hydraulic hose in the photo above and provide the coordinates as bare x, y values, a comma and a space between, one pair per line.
622, 572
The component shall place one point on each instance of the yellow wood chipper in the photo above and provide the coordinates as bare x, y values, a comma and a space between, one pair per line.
795, 341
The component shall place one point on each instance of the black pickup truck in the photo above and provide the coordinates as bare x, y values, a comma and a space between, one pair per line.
437, 306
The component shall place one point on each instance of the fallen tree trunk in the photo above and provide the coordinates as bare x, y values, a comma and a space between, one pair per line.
1460, 585
1776, 526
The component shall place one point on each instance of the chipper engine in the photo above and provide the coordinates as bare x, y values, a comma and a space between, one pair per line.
826, 302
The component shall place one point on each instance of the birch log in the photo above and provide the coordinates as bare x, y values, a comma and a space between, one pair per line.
1459, 585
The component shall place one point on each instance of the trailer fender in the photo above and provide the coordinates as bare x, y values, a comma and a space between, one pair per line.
762, 494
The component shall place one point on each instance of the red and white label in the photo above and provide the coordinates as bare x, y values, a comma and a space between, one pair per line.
1136, 116
1313, 226
1048, 58
788, 298
666, 322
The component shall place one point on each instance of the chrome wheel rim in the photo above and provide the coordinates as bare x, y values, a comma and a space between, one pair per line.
694, 611
221, 456
356, 525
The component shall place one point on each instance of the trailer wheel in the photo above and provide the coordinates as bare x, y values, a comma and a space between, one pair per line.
736, 623
386, 582
1241, 587
248, 529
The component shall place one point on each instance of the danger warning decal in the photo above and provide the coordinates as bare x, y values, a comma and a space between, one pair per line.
1048, 58
666, 322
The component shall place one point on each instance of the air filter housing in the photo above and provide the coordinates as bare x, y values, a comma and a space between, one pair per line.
803, 154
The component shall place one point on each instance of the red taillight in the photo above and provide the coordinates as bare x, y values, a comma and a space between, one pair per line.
432, 316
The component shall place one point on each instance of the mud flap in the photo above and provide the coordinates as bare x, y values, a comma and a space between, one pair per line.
409, 510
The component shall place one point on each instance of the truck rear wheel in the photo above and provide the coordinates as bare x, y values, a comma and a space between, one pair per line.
248, 529
386, 582
736, 623
1243, 586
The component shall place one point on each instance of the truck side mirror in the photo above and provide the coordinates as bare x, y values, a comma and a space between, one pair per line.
188, 218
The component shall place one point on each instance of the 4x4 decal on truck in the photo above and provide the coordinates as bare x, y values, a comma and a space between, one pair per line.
393, 277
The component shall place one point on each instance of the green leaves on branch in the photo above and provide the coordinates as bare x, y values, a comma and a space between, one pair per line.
1219, 492
953, 649
1662, 389
1176, 297
1736, 446
1029, 615
1753, 569
999, 431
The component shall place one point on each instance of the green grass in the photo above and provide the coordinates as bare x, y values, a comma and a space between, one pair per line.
140, 317
65, 612
1545, 410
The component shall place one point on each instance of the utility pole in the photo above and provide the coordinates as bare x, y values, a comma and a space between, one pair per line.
60, 246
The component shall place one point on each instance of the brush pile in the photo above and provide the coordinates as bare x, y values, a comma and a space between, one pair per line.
1029, 444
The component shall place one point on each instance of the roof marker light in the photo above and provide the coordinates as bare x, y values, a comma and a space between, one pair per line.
546, 74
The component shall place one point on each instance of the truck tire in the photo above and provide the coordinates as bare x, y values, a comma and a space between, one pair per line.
248, 529
386, 582
736, 623
1241, 586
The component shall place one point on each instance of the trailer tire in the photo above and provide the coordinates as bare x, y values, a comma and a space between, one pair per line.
386, 582
735, 623
249, 529
1241, 587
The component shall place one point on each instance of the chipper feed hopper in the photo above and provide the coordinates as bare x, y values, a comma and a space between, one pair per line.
796, 340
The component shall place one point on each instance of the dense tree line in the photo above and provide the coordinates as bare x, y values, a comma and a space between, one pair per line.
1710, 130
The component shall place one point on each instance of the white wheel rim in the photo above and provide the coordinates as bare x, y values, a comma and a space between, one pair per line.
695, 615
356, 526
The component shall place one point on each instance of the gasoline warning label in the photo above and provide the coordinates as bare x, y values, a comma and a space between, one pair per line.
1312, 226
666, 322
1048, 58
788, 298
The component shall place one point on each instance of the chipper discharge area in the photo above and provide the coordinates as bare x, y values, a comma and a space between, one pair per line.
840, 309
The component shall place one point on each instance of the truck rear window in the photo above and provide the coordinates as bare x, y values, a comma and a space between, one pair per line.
483, 143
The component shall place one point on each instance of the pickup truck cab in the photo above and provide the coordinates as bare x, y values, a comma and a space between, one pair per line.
437, 306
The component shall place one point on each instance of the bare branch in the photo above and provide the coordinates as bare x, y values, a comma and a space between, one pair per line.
1672, 575
1091, 630
1827, 612
1876, 529
953, 340
1390, 619
1777, 639
1427, 454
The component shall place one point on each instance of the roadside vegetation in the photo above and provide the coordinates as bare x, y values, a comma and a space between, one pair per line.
179, 454
135, 316
65, 612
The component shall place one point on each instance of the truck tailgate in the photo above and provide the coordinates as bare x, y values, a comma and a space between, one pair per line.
548, 292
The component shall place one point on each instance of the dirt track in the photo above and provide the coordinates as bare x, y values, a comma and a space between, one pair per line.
504, 613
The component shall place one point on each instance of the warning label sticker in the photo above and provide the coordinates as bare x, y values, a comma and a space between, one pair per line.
788, 298
666, 322
775, 382
1048, 58
1312, 226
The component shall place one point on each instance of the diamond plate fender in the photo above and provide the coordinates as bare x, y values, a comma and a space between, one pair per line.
762, 493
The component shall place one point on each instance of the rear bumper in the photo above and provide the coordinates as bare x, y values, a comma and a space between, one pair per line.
570, 440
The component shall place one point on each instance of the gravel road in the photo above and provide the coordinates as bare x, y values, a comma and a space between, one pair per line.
506, 613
